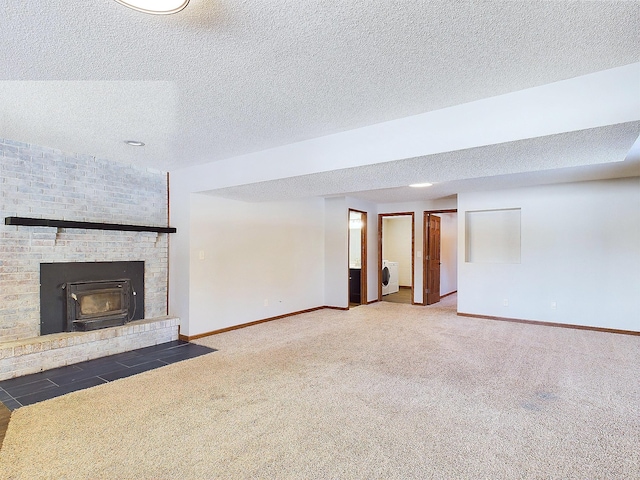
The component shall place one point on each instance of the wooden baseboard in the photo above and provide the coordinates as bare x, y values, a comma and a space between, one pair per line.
256, 322
447, 294
551, 324
372, 301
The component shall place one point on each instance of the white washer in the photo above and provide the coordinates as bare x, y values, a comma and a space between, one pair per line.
389, 277
385, 277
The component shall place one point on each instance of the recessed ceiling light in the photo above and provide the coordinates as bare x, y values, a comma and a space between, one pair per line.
157, 7
134, 143
420, 185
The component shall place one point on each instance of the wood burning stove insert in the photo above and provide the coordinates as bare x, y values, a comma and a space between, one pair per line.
80, 296
94, 305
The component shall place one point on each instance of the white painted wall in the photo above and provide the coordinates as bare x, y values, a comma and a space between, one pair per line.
336, 249
599, 99
336, 252
355, 248
448, 253
355, 240
179, 250
243, 255
493, 236
372, 243
580, 249
396, 245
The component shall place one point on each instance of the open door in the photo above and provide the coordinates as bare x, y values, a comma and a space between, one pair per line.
432, 260
396, 253
357, 257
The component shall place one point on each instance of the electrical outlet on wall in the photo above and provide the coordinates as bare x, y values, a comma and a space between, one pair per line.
266, 302
505, 303
553, 305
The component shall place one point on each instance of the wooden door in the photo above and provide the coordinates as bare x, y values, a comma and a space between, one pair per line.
363, 258
433, 260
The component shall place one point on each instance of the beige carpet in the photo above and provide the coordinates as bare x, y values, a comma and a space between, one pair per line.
379, 391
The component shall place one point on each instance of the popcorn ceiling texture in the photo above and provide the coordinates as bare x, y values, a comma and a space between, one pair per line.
46, 183
243, 76
579, 155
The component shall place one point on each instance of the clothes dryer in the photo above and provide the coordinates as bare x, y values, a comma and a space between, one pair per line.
385, 277
389, 277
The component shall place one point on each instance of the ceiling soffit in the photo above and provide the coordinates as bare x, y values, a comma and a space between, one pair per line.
574, 156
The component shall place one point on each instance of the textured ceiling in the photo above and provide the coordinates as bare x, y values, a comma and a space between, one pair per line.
582, 155
229, 77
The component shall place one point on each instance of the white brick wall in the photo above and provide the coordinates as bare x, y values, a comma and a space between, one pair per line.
23, 357
45, 183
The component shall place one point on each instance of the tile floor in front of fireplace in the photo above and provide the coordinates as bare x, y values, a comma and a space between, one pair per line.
20, 391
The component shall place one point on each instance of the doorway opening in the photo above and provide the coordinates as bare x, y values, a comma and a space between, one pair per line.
440, 247
396, 251
357, 258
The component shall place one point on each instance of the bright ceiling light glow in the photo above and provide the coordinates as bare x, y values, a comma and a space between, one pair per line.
420, 185
157, 7
134, 143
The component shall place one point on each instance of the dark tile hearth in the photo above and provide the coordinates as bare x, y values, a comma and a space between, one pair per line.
21, 391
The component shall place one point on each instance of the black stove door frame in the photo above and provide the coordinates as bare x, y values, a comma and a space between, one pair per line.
76, 290
53, 276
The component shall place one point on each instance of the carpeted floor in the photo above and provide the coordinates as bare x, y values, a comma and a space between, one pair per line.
379, 391
5, 416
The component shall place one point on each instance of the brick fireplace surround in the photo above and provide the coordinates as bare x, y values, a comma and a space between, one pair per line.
39, 182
